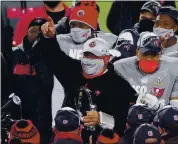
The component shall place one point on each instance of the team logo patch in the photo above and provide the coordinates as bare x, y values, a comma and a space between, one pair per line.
140, 116
97, 92
126, 47
156, 43
150, 133
158, 92
175, 117
92, 44
65, 121
159, 81
80, 13
168, 36
38, 21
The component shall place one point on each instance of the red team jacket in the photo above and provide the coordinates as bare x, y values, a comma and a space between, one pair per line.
22, 25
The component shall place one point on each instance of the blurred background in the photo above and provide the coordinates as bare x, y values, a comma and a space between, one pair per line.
11, 11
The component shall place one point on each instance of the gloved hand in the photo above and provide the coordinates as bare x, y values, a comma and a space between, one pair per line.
140, 98
151, 101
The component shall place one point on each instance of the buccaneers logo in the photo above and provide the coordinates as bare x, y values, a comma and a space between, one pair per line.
80, 13
92, 44
156, 43
158, 92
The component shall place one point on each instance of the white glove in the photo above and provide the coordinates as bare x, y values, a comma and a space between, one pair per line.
140, 98
151, 101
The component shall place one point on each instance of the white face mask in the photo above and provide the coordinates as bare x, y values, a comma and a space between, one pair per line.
164, 33
92, 66
80, 35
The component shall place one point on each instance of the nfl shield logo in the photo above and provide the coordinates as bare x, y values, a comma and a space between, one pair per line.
150, 133
140, 116
65, 121
126, 47
175, 117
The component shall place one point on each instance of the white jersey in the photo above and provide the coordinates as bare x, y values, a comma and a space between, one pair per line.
163, 83
171, 51
75, 51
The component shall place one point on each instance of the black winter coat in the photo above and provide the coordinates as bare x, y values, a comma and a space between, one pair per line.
115, 92
33, 83
6, 81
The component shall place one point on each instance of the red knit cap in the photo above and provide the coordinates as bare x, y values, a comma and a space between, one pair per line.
108, 137
85, 14
25, 131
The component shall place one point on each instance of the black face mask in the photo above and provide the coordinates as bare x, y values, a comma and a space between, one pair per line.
145, 25
52, 4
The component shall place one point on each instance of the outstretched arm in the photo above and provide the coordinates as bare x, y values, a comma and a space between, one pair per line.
66, 69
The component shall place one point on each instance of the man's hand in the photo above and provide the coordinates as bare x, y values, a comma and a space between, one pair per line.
151, 101
92, 118
48, 29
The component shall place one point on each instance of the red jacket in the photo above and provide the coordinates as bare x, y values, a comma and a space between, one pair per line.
22, 25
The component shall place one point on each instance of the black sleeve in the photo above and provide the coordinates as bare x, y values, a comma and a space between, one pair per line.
66, 69
6, 77
130, 92
62, 27
119, 17
121, 103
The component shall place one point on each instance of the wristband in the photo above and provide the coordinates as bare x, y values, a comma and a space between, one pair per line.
46, 36
106, 121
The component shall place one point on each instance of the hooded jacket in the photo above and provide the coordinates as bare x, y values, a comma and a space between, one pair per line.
114, 93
